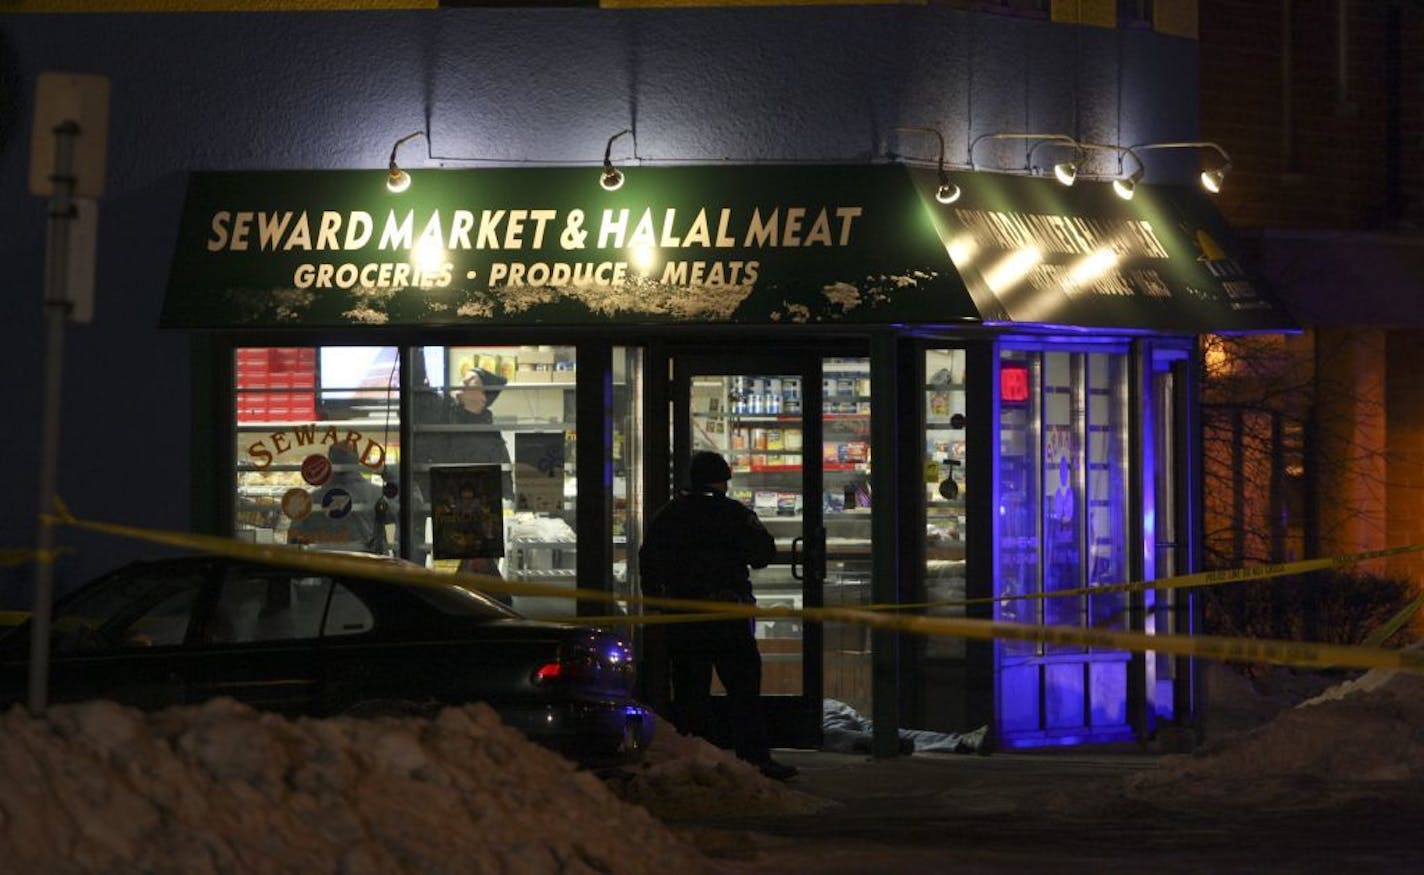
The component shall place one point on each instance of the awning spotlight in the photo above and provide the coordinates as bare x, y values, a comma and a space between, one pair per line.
1211, 178
1126, 186
1064, 171
611, 178
948, 192
397, 180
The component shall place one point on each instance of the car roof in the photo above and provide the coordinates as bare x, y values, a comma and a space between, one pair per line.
376, 560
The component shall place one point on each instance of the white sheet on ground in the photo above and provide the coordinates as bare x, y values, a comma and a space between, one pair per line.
844, 730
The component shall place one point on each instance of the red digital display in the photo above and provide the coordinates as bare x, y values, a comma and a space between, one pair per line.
1013, 383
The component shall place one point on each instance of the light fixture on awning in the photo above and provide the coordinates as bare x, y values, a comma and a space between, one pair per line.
948, 192
397, 180
612, 177
1211, 178
1064, 171
1124, 185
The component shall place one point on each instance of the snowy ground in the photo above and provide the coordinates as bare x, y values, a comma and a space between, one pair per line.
220, 788
1360, 740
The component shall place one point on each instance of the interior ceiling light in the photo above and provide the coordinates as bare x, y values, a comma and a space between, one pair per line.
948, 192
1065, 172
397, 180
1212, 178
612, 177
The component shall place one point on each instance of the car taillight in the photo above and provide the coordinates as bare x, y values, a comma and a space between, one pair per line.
568, 671
592, 659
550, 672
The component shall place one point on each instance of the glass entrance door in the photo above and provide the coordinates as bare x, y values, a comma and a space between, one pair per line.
795, 428
1062, 528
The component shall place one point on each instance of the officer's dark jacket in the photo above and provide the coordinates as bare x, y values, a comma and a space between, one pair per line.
699, 546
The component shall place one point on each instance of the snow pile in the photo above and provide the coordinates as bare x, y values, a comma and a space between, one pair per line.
1236, 702
223, 788
1359, 740
685, 778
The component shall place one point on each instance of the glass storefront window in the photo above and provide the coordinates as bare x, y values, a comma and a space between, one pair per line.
1106, 488
946, 524
846, 464
1073, 405
627, 463
813, 496
1019, 490
491, 456
1062, 528
1063, 505
492, 465
746, 418
1167, 610
317, 429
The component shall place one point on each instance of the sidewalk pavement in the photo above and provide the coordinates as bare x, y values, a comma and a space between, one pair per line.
1034, 812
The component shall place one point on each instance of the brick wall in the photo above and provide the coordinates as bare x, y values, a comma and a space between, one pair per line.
1309, 141
1321, 164
1405, 456
1412, 118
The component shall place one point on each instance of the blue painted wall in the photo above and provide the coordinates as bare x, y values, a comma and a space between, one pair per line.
549, 86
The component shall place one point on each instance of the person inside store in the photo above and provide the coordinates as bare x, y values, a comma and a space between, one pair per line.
479, 443
344, 509
700, 545
468, 406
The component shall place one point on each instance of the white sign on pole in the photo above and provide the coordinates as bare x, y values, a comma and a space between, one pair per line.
79, 276
84, 100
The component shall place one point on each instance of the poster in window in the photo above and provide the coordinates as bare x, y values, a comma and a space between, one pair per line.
1059, 454
539, 471
466, 511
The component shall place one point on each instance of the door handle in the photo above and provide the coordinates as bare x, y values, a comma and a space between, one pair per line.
795, 559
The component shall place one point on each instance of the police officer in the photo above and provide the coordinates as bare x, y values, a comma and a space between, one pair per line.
698, 546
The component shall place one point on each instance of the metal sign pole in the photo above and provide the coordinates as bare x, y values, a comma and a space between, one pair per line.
57, 308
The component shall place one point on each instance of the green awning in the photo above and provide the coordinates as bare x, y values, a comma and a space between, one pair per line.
1032, 251
753, 245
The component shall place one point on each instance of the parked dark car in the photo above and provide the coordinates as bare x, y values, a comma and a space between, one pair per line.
180, 631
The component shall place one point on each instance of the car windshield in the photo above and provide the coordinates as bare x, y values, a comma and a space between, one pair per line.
462, 602
134, 605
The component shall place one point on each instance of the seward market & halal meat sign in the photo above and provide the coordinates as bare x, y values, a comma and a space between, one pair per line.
755, 245
549, 246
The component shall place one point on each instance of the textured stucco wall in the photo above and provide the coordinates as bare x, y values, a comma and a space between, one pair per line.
544, 86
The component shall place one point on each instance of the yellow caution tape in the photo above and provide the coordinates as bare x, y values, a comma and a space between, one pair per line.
1381, 635
22, 556
651, 619
76, 6
1298, 653
1181, 581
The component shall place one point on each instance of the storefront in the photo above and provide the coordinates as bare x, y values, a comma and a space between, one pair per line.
945, 405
